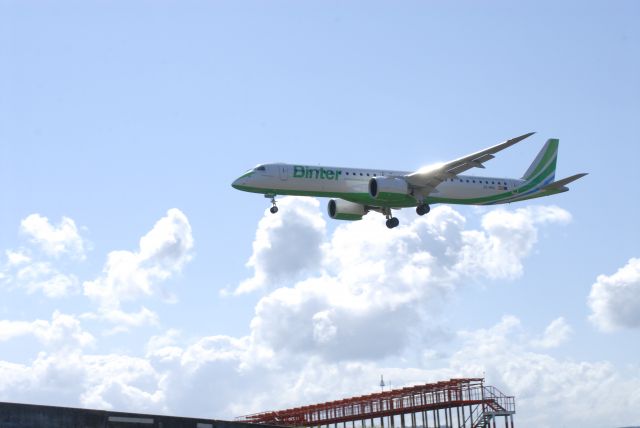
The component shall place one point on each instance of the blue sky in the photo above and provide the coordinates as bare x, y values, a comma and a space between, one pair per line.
130, 119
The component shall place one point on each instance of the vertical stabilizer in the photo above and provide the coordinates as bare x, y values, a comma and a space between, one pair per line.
543, 168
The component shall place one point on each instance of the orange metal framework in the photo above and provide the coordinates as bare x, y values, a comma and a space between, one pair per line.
431, 404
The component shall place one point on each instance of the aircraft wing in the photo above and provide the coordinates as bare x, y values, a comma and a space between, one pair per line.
427, 179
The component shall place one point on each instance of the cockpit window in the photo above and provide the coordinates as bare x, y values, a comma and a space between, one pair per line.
260, 168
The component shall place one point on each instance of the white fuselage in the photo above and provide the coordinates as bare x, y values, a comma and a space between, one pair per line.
352, 184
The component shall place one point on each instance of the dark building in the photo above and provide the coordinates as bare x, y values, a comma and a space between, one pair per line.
14, 415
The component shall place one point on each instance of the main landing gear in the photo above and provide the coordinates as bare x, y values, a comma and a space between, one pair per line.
391, 221
274, 208
422, 209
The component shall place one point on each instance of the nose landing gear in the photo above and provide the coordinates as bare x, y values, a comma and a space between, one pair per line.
274, 208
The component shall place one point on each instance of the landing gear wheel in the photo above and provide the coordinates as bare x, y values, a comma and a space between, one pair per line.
393, 222
423, 209
274, 208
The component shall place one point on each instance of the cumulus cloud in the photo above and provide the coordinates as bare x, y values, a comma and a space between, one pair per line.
54, 240
554, 335
506, 238
549, 391
615, 300
62, 330
328, 325
128, 275
93, 381
286, 245
368, 283
43, 277
31, 267
15, 258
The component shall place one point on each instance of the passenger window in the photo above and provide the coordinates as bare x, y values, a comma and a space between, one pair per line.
361, 174
367, 174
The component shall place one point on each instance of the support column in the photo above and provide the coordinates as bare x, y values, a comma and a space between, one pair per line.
402, 420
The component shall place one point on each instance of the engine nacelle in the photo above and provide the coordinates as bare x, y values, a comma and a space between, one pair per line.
344, 210
388, 189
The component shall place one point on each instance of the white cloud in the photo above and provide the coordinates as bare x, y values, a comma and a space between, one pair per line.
507, 238
549, 391
328, 326
368, 283
287, 244
63, 329
15, 258
94, 381
42, 276
188, 379
54, 240
129, 275
554, 335
26, 269
615, 300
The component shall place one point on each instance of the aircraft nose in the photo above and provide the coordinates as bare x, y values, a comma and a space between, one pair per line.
238, 182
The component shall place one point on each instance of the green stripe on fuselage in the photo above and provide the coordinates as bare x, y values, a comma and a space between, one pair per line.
404, 201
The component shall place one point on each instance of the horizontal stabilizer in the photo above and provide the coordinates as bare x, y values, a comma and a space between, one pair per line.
561, 183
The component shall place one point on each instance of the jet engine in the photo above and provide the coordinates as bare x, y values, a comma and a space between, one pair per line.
344, 210
388, 189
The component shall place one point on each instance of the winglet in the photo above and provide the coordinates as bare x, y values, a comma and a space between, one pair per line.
522, 137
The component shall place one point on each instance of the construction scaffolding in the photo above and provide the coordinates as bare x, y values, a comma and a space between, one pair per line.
457, 403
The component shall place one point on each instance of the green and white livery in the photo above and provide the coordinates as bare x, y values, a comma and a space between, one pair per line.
356, 191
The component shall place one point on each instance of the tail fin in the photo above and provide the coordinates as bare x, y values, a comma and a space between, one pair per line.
543, 168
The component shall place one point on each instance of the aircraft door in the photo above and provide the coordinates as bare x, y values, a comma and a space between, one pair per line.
284, 172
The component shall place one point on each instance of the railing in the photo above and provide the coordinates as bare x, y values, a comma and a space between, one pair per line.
483, 401
494, 403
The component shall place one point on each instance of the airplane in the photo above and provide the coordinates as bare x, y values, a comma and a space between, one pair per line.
356, 191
